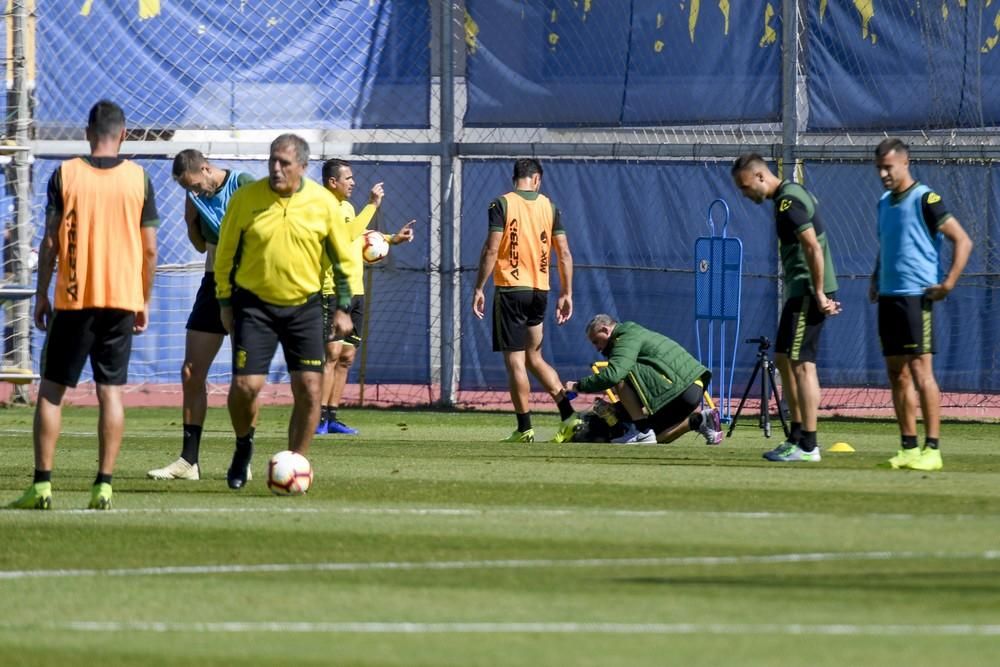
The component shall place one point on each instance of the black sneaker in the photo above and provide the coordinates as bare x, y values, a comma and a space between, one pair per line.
239, 470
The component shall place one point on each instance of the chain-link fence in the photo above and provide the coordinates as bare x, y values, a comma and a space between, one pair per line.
636, 109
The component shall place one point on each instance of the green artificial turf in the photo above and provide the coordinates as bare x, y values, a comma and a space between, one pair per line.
426, 542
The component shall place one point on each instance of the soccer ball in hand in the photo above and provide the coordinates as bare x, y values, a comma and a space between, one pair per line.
375, 247
289, 474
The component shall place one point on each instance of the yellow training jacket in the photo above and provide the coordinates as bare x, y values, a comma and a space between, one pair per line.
354, 264
283, 244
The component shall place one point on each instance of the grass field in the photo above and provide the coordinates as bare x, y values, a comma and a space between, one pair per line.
425, 542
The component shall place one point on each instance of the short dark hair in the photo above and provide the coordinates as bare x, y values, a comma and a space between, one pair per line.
188, 161
332, 167
106, 119
526, 167
301, 146
889, 145
747, 161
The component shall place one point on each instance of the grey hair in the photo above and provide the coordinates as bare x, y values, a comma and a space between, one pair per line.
301, 146
598, 321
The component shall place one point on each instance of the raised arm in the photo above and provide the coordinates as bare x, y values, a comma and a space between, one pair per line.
367, 214
404, 235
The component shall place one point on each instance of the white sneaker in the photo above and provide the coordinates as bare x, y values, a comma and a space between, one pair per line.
179, 469
634, 436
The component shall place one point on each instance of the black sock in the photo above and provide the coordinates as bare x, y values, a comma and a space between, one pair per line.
565, 408
192, 443
523, 421
42, 476
695, 420
909, 441
245, 444
931, 442
102, 478
795, 432
642, 425
808, 441
331, 413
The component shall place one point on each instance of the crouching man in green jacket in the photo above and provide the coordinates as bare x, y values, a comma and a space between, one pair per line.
660, 385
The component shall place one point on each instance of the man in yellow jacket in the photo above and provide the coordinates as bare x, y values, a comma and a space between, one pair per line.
338, 178
278, 237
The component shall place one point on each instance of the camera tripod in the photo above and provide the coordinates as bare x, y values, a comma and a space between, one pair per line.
768, 387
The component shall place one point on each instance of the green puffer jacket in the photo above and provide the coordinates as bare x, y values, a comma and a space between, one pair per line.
658, 368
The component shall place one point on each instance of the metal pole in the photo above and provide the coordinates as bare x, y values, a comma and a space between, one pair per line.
789, 102
789, 84
449, 274
22, 197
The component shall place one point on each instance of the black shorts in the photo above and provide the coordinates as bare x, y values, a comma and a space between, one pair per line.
677, 410
258, 328
357, 314
905, 325
102, 334
513, 312
205, 312
799, 328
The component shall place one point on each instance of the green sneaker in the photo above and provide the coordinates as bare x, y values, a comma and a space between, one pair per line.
567, 428
521, 436
784, 447
100, 497
37, 497
789, 452
903, 458
929, 460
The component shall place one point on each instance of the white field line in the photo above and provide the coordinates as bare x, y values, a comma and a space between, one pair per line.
838, 629
147, 436
275, 508
512, 564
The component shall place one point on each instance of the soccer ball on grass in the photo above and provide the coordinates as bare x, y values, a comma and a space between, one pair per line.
289, 474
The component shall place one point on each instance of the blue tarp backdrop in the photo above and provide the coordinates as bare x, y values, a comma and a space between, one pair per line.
906, 65
638, 63
242, 65
563, 62
629, 63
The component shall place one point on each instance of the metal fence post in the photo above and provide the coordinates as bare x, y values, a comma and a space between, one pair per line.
21, 237
449, 274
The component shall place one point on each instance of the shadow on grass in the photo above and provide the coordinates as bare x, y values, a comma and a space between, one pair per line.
944, 580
